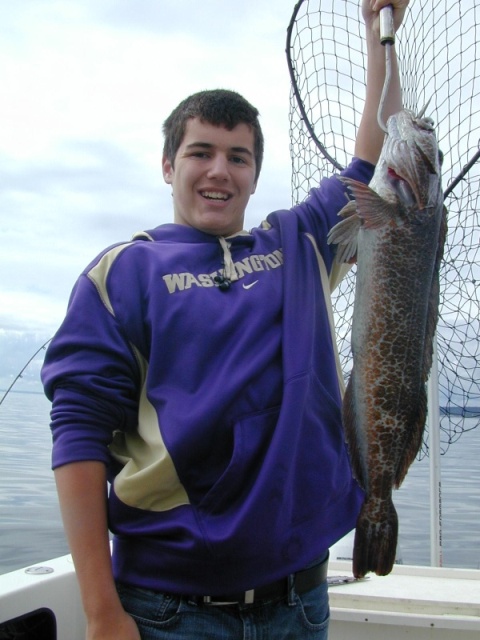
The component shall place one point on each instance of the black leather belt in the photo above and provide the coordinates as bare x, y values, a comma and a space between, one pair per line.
303, 581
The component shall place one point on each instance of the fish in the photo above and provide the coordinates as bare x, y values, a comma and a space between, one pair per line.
396, 229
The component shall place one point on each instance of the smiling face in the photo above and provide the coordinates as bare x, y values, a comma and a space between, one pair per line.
212, 177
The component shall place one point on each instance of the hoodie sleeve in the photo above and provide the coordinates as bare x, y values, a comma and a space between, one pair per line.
319, 211
92, 375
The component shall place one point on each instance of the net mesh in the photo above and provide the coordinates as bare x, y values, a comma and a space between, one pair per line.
437, 47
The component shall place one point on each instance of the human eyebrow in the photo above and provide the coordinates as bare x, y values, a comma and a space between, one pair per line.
201, 145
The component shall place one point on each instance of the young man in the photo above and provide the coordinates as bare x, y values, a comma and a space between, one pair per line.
196, 371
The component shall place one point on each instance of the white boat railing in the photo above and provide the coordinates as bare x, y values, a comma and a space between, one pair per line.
433, 422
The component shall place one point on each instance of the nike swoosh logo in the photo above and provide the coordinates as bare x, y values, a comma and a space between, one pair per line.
249, 286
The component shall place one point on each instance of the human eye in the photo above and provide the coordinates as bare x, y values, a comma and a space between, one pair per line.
198, 150
199, 154
240, 160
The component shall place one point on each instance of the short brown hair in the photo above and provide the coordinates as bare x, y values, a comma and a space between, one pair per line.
219, 107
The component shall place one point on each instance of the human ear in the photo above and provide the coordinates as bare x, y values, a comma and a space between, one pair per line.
168, 170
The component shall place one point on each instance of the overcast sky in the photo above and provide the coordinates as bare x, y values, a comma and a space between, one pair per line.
86, 85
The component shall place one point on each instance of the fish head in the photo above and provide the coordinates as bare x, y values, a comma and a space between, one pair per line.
409, 170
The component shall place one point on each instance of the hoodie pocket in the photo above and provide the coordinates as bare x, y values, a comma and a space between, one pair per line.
251, 439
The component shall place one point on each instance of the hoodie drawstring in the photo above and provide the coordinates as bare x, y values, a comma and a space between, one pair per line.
229, 271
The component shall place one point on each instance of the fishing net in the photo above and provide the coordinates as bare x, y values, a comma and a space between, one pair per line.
437, 47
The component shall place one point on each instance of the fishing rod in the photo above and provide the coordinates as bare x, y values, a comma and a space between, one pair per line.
20, 373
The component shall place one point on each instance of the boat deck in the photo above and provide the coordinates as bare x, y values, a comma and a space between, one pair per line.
417, 603
411, 602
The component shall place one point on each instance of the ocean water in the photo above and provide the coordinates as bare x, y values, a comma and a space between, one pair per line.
30, 522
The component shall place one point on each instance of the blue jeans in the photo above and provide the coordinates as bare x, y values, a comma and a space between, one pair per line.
168, 617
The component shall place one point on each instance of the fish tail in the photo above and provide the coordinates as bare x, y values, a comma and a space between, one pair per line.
375, 538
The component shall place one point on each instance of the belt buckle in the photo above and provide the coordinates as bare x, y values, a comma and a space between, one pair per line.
248, 598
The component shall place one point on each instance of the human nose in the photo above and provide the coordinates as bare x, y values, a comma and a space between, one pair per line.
218, 168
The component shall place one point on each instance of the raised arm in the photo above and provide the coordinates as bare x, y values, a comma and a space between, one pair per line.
370, 136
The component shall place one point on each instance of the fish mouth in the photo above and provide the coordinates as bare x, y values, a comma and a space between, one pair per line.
412, 159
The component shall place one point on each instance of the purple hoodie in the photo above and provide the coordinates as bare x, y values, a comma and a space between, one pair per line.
217, 411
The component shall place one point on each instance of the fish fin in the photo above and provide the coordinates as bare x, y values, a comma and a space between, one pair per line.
372, 209
344, 234
351, 434
376, 537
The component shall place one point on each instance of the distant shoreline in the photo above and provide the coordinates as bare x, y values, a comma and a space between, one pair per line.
466, 412
35, 393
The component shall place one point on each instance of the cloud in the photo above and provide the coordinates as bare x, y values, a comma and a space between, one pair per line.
89, 85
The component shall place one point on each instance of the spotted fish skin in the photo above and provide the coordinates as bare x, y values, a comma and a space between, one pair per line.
396, 228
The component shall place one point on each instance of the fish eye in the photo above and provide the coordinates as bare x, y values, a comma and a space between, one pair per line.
427, 123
